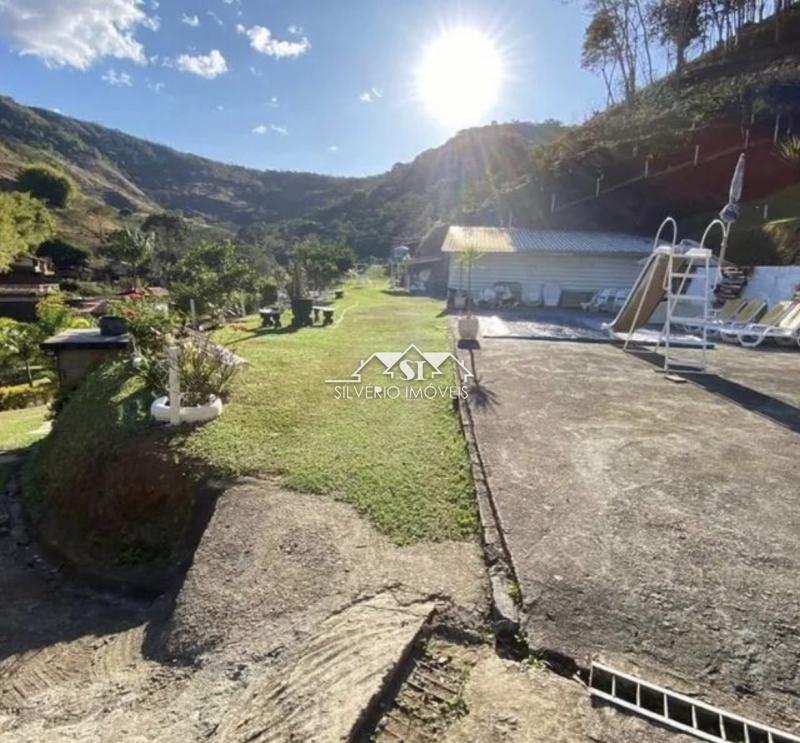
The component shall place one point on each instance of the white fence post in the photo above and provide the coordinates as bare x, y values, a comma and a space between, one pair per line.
696, 154
766, 212
777, 131
553, 203
747, 138
173, 354
193, 312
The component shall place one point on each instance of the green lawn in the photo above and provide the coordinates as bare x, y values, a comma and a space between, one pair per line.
21, 428
18, 429
401, 463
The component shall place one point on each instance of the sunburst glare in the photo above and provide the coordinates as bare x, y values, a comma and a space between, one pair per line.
460, 76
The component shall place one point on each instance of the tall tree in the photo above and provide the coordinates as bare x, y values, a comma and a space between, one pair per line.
24, 224
678, 23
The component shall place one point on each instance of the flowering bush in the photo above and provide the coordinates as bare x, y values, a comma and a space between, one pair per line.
150, 322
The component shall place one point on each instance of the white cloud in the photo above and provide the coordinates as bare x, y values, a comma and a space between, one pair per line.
190, 20
117, 79
333, 148
220, 107
262, 40
273, 101
368, 96
214, 17
75, 33
156, 87
264, 129
295, 29
208, 65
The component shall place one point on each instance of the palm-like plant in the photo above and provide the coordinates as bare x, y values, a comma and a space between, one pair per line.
789, 151
467, 260
132, 246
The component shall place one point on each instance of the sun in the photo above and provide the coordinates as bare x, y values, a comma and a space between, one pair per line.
459, 77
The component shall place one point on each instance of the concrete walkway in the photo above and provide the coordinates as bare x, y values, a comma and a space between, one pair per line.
653, 525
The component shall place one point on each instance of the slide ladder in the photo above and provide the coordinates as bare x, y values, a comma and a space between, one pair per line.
666, 276
681, 269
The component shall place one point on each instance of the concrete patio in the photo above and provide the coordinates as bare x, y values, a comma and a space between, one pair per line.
652, 525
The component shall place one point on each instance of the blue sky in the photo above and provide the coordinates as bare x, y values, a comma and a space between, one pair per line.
320, 85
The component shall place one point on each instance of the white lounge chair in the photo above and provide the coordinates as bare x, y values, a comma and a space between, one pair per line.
718, 317
748, 314
782, 323
619, 299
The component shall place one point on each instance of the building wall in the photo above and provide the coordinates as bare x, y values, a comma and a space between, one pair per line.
580, 275
773, 283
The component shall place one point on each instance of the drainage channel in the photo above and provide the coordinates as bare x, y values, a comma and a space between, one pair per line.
430, 697
679, 712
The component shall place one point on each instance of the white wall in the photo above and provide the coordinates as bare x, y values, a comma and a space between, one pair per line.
575, 272
773, 283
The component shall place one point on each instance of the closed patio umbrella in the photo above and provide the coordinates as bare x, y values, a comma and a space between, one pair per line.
730, 213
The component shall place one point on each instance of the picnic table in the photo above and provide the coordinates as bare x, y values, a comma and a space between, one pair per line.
270, 317
327, 314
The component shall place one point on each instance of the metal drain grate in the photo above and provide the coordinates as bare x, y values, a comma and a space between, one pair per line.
678, 711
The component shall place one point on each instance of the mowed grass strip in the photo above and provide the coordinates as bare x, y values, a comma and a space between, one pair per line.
401, 463
21, 428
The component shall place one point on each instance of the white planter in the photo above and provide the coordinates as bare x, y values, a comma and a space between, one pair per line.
189, 413
468, 328
459, 301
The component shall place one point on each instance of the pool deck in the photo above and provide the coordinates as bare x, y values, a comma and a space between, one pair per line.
652, 525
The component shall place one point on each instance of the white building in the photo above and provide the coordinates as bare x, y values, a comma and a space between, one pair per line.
581, 263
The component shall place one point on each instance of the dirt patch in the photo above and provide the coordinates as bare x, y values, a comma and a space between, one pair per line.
514, 702
293, 614
272, 563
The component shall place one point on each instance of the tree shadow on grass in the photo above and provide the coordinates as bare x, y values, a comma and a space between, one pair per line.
283, 330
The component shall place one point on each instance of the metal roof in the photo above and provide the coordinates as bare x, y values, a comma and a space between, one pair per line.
500, 240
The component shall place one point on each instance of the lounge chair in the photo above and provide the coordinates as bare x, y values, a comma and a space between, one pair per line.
722, 315
619, 299
599, 302
748, 314
782, 323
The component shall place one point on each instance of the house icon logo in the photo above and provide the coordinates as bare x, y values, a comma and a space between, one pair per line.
411, 365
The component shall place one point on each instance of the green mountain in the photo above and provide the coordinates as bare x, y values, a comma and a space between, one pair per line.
117, 173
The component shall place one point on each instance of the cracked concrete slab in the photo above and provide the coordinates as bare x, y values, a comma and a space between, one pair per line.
653, 525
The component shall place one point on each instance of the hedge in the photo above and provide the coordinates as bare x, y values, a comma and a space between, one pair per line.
17, 396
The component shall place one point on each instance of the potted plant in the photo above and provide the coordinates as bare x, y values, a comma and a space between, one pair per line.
205, 372
298, 293
468, 325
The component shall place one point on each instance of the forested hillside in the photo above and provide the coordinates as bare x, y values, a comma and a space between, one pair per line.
117, 173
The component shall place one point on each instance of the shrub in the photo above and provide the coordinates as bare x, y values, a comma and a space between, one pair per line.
789, 151
150, 322
19, 396
63, 254
53, 315
206, 370
46, 183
